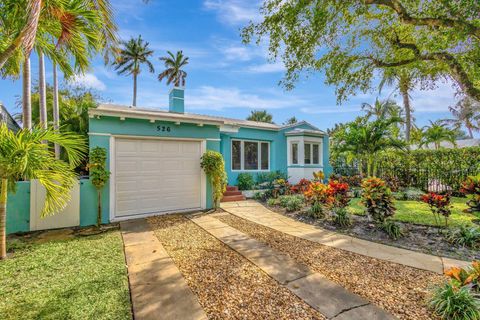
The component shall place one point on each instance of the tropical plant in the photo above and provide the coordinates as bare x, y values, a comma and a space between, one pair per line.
437, 132
465, 113
98, 175
260, 116
214, 166
452, 303
340, 192
458, 297
318, 176
381, 109
465, 236
364, 140
392, 229
245, 181
291, 202
290, 121
350, 42
316, 210
320, 193
403, 81
23, 155
174, 72
439, 205
301, 186
471, 188
341, 217
271, 202
131, 56
377, 199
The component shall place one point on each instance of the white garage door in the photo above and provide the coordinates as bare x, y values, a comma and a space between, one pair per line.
153, 176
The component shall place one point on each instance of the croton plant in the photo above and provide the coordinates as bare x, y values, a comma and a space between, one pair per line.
439, 204
377, 199
471, 188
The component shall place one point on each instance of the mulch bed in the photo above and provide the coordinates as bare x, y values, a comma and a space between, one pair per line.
227, 285
401, 290
421, 238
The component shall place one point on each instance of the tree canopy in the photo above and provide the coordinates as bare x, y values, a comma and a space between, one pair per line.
260, 116
353, 41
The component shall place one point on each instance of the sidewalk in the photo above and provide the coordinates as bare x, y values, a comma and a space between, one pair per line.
256, 212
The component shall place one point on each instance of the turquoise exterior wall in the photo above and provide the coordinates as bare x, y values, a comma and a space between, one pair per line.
18, 208
278, 148
100, 129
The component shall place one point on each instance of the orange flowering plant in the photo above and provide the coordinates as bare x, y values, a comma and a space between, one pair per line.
319, 193
465, 277
377, 199
340, 194
439, 204
471, 188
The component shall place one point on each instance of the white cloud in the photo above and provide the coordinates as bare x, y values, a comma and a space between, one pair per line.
234, 12
238, 53
88, 80
267, 68
208, 97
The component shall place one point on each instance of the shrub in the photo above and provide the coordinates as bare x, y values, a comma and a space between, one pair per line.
245, 181
98, 175
316, 211
294, 204
259, 195
319, 176
301, 186
465, 237
450, 302
377, 199
471, 188
408, 194
266, 178
439, 205
341, 217
271, 202
214, 166
356, 192
392, 229
352, 180
318, 192
340, 193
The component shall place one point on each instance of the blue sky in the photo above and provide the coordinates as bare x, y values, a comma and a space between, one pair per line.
225, 77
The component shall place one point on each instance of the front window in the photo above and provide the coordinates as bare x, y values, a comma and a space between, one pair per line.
294, 153
250, 155
312, 153
308, 153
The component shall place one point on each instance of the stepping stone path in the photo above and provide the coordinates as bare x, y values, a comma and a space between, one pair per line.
256, 212
330, 299
158, 289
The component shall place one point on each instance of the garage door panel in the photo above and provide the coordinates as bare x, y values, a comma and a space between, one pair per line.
156, 175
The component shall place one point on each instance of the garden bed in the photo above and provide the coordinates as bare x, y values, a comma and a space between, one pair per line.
399, 289
418, 237
65, 274
227, 285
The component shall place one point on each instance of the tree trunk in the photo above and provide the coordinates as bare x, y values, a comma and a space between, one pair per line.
42, 90
3, 219
470, 132
27, 36
408, 114
56, 108
27, 95
99, 207
134, 90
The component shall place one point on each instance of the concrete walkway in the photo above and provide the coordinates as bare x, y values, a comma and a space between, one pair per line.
157, 287
256, 212
330, 299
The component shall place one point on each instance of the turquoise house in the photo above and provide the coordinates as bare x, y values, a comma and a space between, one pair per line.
154, 159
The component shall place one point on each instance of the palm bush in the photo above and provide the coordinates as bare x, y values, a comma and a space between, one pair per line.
341, 217
25, 155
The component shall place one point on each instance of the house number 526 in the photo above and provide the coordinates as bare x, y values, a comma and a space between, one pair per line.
163, 128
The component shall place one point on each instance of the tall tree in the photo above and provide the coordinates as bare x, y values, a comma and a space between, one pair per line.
42, 90
24, 155
465, 113
26, 95
260, 116
381, 109
351, 40
437, 132
174, 65
290, 121
402, 80
131, 56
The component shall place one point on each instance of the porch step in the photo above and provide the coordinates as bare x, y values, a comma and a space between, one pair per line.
232, 193
233, 198
232, 188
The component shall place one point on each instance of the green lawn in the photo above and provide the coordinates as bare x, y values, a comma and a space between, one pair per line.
419, 212
79, 278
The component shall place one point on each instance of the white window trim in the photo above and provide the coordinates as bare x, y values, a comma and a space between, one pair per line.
311, 143
292, 153
242, 156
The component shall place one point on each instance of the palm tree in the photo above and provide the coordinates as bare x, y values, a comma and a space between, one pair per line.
363, 139
437, 132
290, 121
134, 53
402, 79
260, 116
466, 113
173, 69
21, 30
26, 95
381, 109
24, 155
42, 90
